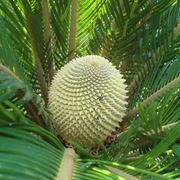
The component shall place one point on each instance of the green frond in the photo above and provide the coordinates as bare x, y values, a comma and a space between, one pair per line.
60, 21
17, 99
38, 154
134, 32
16, 37
8, 56
148, 128
88, 14
140, 37
35, 37
34, 157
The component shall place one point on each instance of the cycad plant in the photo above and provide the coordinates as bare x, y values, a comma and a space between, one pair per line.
45, 80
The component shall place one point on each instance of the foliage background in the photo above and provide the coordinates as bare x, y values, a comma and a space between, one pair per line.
141, 38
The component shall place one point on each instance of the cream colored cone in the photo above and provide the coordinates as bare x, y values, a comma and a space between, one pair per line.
87, 100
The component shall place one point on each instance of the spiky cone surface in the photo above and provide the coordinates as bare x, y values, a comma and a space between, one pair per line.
87, 100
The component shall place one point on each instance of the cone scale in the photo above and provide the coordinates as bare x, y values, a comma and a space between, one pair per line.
87, 100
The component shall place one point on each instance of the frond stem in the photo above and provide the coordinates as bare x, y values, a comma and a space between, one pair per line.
47, 37
40, 72
67, 165
153, 97
121, 173
8, 71
72, 33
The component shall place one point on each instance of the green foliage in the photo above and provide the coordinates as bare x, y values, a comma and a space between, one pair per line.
141, 38
153, 133
37, 154
34, 157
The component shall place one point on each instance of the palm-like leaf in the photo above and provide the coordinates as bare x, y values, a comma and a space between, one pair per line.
140, 37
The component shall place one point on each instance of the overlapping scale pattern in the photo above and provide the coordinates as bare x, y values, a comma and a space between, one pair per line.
87, 100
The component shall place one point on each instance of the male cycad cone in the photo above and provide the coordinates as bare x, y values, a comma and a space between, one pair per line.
87, 100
